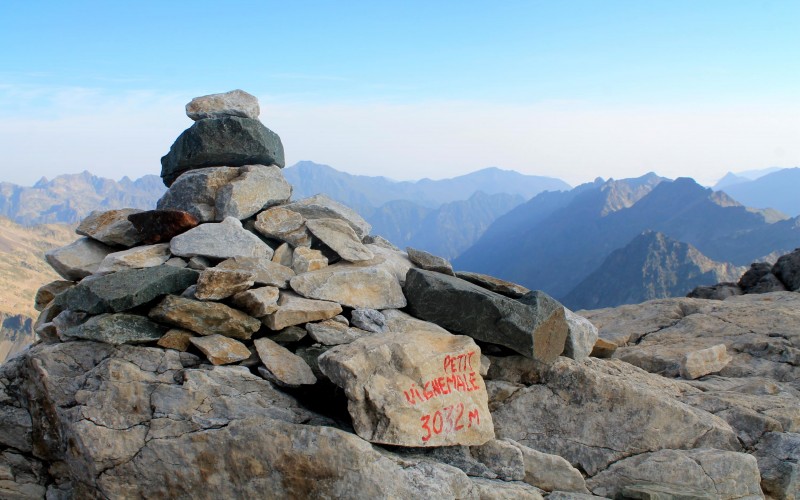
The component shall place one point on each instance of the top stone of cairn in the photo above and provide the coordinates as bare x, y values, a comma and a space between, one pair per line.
233, 103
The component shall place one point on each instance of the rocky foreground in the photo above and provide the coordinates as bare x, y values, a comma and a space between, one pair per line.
235, 343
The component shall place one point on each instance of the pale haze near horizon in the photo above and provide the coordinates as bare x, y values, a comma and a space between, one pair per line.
573, 91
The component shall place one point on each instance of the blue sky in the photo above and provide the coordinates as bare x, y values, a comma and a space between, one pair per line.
573, 89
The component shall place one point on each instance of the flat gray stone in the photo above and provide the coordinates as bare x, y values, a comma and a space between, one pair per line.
221, 350
340, 237
79, 259
111, 227
205, 318
502, 458
330, 332
135, 258
429, 262
256, 188
496, 285
370, 320
295, 310
284, 225
117, 329
263, 270
322, 207
352, 286
234, 103
282, 366
222, 240
258, 302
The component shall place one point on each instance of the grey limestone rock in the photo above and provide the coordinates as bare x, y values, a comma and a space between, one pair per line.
79, 259
135, 258
283, 367
350, 285
195, 192
284, 225
322, 207
502, 458
340, 237
778, 456
370, 320
222, 240
264, 271
496, 285
429, 262
581, 338
111, 227
256, 188
234, 103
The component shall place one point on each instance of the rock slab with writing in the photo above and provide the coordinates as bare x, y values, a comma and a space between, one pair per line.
418, 389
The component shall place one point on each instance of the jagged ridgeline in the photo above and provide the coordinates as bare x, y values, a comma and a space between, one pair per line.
234, 343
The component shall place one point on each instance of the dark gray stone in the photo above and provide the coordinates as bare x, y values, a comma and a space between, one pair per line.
118, 329
228, 141
768, 283
753, 275
125, 289
429, 261
370, 320
720, 291
496, 285
787, 269
534, 326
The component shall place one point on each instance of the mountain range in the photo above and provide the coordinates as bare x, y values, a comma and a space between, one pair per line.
776, 190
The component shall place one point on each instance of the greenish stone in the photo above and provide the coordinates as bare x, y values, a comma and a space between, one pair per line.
118, 329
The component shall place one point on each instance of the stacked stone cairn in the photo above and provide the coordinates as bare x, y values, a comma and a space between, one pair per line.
235, 343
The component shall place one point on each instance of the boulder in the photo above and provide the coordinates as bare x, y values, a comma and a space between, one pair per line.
195, 192
370, 320
125, 289
766, 284
155, 226
295, 310
135, 258
117, 329
305, 260
537, 329
418, 389
502, 458
263, 270
778, 456
256, 188
330, 332
218, 284
698, 363
284, 225
756, 271
221, 350
79, 259
582, 336
550, 472
429, 262
700, 473
283, 255
493, 284
787, 269
283, 367
322, 207
394, 261
596, 412
205, 318
258, 302
230, 140
234, 103
222, 240
351, 286
720, 291
111, 227
341, 238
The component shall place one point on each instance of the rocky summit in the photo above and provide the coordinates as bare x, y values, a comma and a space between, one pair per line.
236, 343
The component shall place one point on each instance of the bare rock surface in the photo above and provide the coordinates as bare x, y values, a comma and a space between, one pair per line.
258, 302
418, 389
223, 240
710, 360
496, 285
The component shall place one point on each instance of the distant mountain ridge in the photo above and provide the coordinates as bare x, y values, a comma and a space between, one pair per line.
69, 198
778, 190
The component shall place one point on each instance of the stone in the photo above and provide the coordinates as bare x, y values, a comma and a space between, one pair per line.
263, 270
284, 225
289, 335
176, 262
489, 489
195, 193
305, 260
568, 409
117, 329
156, 226
756, 271
256, 188
768, 283
222, 240
331, 332
722, 474
419, 389
352, 286
582, 336
221, 350
176, 338
537, 329
125, 289
199, 263
603, 348
394, 261
550, 472
283, 255
370, 320
502, 458
322, 207
568, 495
493, 284
341, 319
111, 227
341, 238
778, 456
380, 241
230, 141
135, 258
295, 310
218, 284
720, 291
257, 302
787, 269
400, 322
283, 367
699, 363
205, 318
79, 259
21, 477
48, 292
234, 103
429, 262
